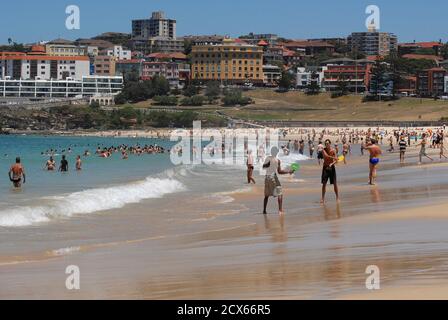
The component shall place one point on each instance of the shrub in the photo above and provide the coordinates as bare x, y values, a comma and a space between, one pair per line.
193, 101
235, 97
165, 101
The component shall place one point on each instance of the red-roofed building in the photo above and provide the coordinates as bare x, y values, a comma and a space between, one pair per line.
357, 77
168, 56
422, 56
169, 70
309, 47
409, 48
291, 58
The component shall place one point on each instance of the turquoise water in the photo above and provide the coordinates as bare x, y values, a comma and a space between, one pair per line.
103, 184
102, 176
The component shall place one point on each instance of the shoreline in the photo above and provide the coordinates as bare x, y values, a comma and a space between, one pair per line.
210, 244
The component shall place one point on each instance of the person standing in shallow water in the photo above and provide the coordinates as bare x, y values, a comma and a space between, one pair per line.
63, 167
17, 173
78, 163
329, 170
272, 186
250, 167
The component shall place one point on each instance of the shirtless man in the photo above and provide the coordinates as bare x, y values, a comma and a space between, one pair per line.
375, 152
78, 163
50, 165
16, 173
329, 170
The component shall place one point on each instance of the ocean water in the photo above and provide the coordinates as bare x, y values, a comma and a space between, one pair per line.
103, 184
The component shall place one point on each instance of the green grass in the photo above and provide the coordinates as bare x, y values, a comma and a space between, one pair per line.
296, 106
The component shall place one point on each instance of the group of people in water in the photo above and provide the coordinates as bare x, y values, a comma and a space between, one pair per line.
17, 171
328, 155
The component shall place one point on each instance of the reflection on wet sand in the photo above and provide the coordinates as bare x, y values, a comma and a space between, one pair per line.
216, 248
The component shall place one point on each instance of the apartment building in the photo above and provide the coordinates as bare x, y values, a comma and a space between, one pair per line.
254, 38
62, 47
431, 82
169, 70
38, 65
158, 44
87, 86
104, 65
157, 26
373, 43
306, 75
309, 48
273, 55
356, 77
119, 53
232, 62
204, 39
272, 75
124, 67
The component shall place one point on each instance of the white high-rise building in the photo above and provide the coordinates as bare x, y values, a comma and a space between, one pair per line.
25, 66
119, 53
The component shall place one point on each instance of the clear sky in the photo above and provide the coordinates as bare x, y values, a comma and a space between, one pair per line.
35, 20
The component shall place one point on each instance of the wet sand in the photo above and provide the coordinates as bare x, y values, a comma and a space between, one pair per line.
214, 248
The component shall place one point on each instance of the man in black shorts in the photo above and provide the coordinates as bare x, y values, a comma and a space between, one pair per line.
329, 170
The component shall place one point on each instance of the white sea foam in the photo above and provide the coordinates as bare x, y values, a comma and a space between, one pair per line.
65, 251
89, 201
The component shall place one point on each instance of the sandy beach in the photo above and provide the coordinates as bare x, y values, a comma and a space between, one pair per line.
220, 246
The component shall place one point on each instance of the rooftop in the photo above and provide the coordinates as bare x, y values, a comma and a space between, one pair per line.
426, 45
422, 56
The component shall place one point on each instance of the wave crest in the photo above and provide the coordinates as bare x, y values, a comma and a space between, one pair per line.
89, 201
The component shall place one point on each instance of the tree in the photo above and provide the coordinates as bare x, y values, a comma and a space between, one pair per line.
286, 81
188, 44
160, 86
212, 91
95, 105
380, 78
313, 88
341, 88
190, 90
